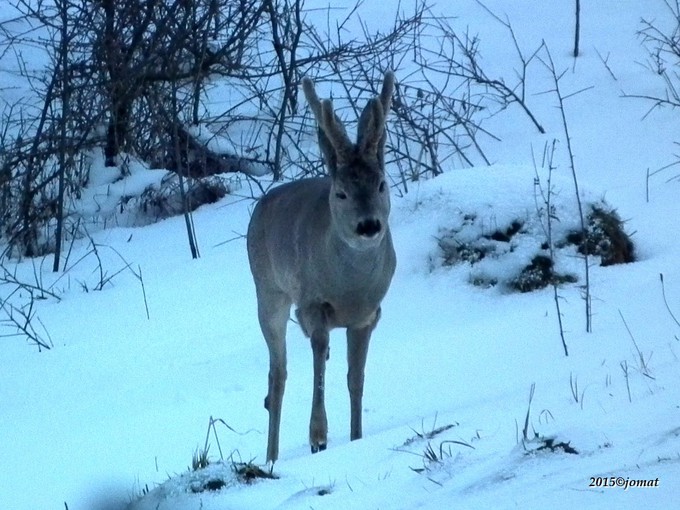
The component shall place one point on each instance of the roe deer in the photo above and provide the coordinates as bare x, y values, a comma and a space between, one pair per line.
324, 244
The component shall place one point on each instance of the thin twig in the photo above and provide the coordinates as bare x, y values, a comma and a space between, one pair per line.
146, 304
644, 369
624, 367
665, 301
547, 199
525, 431
550, 65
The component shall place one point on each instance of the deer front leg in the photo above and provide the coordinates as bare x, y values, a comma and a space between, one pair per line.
318, 423
315, 320
357, 351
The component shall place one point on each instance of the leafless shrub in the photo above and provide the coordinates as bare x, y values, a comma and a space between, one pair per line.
111, 64
662, 40
156, 203
21, 320
131, 77
442, 97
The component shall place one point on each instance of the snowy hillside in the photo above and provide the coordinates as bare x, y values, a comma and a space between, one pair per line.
110, 416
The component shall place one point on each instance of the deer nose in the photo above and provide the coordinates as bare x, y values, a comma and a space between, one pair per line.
369, 227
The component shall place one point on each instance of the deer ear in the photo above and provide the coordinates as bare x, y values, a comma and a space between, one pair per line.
333, 141
371, 129
372, 136
330, 157
386, 102
386, 93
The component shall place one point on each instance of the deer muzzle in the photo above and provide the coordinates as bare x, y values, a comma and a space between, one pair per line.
369, 228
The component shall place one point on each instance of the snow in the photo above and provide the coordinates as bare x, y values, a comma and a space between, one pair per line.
118, 406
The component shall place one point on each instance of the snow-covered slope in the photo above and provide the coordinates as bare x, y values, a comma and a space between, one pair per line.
118, 406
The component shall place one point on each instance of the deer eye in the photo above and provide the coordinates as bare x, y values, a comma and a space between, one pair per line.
381, 188
341, 195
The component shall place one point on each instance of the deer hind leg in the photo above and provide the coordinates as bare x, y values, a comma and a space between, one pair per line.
273, 313
357, 349
314, 320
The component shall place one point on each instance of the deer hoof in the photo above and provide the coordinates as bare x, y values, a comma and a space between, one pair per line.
316, 448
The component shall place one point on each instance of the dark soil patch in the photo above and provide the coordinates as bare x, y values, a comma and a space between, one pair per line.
538, 275
604, 237
507, 234
550, 444
454, 251
247, 472
210, 485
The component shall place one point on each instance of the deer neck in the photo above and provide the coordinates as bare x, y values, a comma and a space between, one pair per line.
359, 262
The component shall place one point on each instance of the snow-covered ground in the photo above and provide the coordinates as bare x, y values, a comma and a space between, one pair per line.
116, 409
